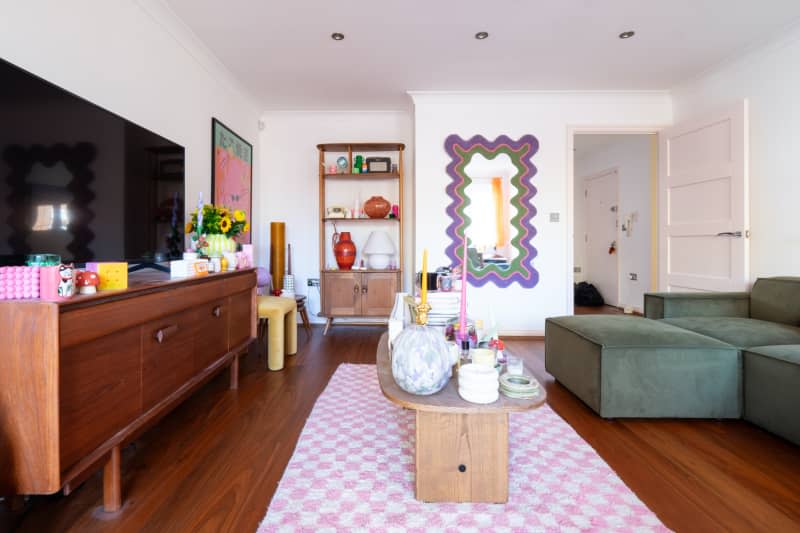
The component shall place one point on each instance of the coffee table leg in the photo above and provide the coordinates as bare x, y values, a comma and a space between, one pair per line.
462, 457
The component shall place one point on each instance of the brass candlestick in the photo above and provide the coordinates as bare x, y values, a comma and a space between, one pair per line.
422, 313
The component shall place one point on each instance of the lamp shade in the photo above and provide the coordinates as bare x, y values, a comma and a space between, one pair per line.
379, 242
379, 250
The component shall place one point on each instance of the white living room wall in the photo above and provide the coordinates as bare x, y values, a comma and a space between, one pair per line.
769, 77
549, 116
138, 60
290, 182
632, 156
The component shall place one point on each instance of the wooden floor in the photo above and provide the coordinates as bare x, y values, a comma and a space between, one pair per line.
214, 463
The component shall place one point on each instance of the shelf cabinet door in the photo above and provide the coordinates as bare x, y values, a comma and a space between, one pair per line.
210, 333
378, 291
341, 293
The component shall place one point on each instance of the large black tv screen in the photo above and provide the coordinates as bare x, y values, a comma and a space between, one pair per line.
79, 181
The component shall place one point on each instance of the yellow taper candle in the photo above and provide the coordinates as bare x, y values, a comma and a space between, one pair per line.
424, 283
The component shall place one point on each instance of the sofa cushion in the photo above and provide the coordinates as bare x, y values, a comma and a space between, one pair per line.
776, 300
740, 332
772, 389
624, 366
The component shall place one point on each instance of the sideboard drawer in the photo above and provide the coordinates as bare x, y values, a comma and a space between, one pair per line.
211, 333
100, 390
167, 356
241, 318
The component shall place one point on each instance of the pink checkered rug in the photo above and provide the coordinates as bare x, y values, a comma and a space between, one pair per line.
353, 470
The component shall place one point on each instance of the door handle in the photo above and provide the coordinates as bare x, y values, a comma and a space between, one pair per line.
730, 234
164, 333
217, 311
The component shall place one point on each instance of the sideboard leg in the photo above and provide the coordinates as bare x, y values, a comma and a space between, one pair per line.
112, 483
235, 372
328, 325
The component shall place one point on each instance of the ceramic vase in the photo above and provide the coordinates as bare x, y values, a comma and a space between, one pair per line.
422, 362
377, 207
218, 244
344, 250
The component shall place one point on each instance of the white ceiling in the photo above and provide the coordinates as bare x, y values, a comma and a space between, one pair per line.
282, 51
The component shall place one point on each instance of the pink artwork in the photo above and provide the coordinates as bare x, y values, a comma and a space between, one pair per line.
232, 172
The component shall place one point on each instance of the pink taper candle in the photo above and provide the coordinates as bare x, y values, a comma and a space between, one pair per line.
462, 324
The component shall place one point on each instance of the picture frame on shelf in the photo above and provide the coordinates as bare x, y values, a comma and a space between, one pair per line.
232, 172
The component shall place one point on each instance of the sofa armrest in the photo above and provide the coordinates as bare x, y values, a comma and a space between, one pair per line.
679, 304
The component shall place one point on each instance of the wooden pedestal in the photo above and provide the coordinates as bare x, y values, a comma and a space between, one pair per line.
462, 457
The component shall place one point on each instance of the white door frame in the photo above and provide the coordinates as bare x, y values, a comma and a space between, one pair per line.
586, 180
573, 130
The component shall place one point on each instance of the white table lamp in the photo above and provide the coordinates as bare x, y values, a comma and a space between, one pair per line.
379, 250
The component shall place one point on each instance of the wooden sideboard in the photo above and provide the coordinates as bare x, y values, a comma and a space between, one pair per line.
79, 379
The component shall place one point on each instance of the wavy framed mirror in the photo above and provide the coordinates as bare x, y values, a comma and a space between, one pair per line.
491, 193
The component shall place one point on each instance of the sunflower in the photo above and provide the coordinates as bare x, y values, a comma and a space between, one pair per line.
189, 227
225, 224
239, 215
246, 228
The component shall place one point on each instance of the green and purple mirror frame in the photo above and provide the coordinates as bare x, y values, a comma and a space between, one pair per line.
461, 152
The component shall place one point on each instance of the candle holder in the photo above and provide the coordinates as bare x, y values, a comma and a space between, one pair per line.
422, 313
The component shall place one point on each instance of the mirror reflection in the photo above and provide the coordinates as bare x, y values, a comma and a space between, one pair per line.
489, 211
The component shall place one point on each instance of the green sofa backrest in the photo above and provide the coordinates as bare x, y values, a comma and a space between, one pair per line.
776, 300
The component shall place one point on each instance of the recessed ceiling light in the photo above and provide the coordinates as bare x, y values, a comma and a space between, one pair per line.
627, 34
337, 36
481, 35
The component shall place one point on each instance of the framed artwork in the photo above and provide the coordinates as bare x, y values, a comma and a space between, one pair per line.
232, 172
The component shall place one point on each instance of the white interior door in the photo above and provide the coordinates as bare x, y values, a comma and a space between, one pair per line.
703, 204
602, 267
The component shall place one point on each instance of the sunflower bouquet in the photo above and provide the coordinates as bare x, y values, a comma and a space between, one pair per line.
218, 220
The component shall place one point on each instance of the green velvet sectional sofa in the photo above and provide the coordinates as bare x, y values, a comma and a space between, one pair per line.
695, 355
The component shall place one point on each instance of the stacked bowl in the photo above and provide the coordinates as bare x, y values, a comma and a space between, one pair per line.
478, 383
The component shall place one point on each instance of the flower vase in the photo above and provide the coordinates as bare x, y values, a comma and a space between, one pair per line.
218, 244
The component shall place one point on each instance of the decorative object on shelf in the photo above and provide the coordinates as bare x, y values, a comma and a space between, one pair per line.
359, 161
379, 164
244, 260
43, 260
20, 282
335, 211
87, 282
113, 276
341, 164
230, 259
332, 168
344, 250
517, 265
218, 244
478, 383
377, 207
379, 250
232, 172
57, 282
395, 211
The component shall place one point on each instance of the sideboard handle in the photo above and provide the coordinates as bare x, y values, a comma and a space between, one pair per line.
356, 288
164, 333
364, 289
217, 311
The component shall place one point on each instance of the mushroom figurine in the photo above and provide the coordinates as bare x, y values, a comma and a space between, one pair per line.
88, 282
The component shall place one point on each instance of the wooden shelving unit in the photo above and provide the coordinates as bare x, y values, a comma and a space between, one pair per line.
358, 293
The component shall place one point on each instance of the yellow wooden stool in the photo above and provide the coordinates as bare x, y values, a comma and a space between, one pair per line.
277, 323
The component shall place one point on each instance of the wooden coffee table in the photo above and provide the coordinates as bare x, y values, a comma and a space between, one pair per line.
461, 447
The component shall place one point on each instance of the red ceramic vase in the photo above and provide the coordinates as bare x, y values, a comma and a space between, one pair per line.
377, 207
344, 250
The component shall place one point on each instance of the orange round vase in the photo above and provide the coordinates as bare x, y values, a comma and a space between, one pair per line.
377, 207
344, 250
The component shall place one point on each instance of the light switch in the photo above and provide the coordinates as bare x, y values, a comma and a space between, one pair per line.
555, 217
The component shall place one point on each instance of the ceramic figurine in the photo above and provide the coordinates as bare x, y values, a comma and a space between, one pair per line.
66, 283
87, 282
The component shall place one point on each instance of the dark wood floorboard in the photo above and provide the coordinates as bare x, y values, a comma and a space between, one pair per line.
215, 462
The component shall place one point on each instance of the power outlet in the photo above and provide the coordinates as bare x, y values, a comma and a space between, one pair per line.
313, 282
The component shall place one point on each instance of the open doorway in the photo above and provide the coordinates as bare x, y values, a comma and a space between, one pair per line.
614, 208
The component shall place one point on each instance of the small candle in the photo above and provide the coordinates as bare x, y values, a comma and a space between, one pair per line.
424, 292
462, 324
